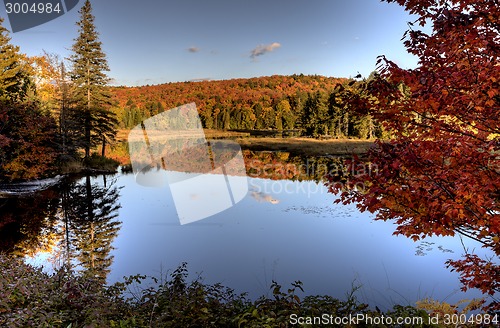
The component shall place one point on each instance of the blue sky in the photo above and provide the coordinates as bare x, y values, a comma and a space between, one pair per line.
153, 41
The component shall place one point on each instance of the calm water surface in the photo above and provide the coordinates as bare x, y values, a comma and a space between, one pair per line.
282, 230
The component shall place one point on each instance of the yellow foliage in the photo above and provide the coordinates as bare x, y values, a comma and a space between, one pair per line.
444, 310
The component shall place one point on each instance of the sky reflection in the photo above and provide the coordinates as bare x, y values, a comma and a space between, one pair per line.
277, 234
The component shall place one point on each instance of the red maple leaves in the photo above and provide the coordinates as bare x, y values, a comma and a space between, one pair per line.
440, 173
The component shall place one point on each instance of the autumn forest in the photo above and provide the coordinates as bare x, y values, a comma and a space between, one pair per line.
433, 132
305, 105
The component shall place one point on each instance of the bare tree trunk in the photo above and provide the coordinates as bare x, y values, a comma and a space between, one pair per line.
103, 146
370, 127
346, 124
88, 119
62, 117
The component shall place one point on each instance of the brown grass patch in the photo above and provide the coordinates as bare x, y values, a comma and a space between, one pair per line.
122, 135
308, 146
294, 145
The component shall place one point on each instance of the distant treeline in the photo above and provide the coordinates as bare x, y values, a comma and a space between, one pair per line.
310, 103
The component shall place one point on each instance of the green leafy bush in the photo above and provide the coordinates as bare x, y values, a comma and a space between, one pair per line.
31, 298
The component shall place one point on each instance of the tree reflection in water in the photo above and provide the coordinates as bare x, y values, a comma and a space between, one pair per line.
27, 224
76, 223
89, 213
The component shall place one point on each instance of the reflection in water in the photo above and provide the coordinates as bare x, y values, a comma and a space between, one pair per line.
75, 222
27, 224
287, 219
264, 198
89, 226
284, 166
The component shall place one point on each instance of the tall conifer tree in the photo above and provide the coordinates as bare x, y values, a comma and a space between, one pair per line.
88, 74
14, 77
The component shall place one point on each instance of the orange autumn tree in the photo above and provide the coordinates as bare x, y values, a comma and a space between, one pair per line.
440, 172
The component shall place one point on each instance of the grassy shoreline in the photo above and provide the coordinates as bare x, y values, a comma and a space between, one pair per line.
307, 146
300, 146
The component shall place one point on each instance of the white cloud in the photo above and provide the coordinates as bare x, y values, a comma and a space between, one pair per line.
263, 49
201, 79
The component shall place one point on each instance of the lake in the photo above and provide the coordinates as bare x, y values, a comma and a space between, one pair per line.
284, 227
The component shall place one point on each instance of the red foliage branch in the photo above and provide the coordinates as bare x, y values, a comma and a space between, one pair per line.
440, 173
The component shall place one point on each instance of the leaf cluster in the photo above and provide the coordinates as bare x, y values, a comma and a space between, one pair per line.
439, 174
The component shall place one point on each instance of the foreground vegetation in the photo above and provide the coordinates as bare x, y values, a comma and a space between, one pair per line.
31, 298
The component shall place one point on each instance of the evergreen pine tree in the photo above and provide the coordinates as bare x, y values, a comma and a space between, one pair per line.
14, 77
91, 96
315, 119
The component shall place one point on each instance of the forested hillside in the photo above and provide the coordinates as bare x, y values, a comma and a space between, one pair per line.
274, 102
311, 104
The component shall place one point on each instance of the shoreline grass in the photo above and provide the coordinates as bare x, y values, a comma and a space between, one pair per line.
307, 146
299, 146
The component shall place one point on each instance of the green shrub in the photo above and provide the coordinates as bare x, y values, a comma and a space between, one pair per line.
31, 298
